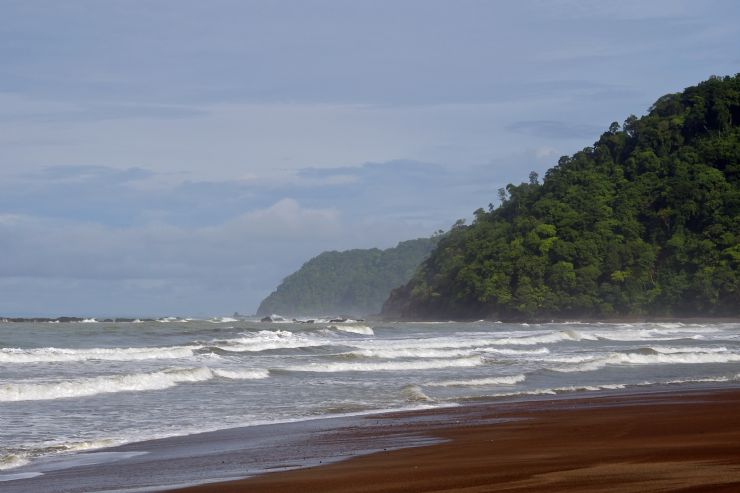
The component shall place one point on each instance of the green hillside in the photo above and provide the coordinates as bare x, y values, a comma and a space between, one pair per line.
354, 282
645, 222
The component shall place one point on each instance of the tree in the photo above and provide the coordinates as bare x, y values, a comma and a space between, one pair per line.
647, 221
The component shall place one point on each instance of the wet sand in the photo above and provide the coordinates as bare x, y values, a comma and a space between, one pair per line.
687, 441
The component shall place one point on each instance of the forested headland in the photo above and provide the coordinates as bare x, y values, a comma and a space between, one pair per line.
353, 282
644, 222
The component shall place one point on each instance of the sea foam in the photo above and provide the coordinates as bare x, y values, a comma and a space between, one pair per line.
135, 382
354, 329
426, 364
590, 363
56, 355
479, 382
265, 340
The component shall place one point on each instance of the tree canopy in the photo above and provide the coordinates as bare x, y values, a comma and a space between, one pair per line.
353, 282
644, 222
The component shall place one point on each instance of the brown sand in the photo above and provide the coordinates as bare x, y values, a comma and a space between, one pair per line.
677, 442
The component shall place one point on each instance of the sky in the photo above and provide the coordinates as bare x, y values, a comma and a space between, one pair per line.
181, 157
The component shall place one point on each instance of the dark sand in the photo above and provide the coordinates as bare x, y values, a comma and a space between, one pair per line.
688, 442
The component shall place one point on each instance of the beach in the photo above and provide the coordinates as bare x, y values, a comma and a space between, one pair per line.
682, 441
150, 406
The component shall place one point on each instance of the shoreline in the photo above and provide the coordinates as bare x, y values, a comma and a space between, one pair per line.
561, 320
382, 319
376, 452
644, 441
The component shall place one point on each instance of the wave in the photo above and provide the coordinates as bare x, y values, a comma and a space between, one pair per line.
414, 393
479, 382
244, 374
354, 329
479, 343
11, 461
135, 382
260, 341
411, 353
265, 340
590, 363
515, 352
548, 391
672, 350
704, 379
553, 337
389, 365
55, 355
612, 386
408, 352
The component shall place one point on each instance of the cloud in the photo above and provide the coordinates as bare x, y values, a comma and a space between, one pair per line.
222, 267
220, 245
286, 220
89, 174
179, 156
553, 129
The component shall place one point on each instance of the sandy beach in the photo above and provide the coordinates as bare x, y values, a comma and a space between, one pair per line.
688, 441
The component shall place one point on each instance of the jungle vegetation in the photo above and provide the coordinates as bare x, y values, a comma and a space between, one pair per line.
644, 222
353, 282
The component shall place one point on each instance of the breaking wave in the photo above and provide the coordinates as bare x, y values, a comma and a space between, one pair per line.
411, 353
265, 340
246, 374
136, 382
389, 365
54, 355
590, 363
354, 329
414, 393
479, 382
408, 352
11, 461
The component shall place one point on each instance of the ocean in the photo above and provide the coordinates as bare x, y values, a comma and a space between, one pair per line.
67, 388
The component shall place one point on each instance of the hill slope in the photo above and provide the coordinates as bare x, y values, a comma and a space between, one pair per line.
354, 282
647, 221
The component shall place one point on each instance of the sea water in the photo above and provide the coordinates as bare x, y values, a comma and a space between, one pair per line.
71, 387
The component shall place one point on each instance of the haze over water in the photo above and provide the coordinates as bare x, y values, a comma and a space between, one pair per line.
79, 386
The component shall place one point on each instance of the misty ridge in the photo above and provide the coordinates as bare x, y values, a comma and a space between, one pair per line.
353, 282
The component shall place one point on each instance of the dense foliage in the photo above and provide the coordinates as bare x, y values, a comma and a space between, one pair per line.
354, 282
645, 222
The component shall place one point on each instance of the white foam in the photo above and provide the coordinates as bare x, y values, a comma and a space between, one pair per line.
672, 350
11, 461
427, 352
88, 321
675, 358
136, 382
354, 329
412, 353
265, 340
561, 390
242, 374
390, 365
515, 352
52, 354
415, 394
590, 363
702, 380
547, 338
476, 341
220, 320
479, 382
